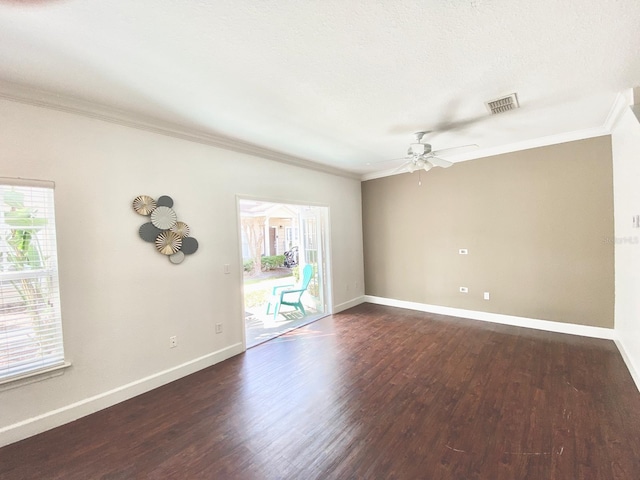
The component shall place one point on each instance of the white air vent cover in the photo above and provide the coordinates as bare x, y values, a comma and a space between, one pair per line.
503, 104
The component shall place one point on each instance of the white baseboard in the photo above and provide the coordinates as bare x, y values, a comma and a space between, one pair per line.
559, 327
627, 360
68, 413
351, 303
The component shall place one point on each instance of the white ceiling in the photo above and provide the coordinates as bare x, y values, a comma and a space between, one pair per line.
344, 83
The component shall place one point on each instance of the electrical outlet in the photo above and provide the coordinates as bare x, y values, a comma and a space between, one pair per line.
464, 290
173, 341
486, 296
218, 328
463, 251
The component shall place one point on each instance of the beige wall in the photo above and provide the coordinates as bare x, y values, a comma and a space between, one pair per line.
538, 225
121, 300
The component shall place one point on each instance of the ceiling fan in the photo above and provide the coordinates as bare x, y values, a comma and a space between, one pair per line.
420, 156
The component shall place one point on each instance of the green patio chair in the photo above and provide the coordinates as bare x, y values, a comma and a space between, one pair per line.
288, 295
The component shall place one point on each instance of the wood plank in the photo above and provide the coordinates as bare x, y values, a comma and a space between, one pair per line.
373, 392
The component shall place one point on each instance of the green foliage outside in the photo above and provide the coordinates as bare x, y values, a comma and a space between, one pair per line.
267, 263
256, 298
313, 288
24, 253
247, 266
296, 273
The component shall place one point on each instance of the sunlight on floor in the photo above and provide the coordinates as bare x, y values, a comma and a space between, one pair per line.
261, 327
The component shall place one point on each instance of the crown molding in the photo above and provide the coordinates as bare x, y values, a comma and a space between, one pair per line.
40, 98
509, 148
622, 101
620, 104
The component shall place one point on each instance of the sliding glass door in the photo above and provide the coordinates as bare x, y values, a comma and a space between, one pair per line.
284, 249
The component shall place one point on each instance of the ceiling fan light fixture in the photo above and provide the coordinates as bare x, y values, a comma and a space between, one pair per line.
418, 148
421, 156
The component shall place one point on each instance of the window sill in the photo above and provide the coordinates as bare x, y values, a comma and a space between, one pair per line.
33, 377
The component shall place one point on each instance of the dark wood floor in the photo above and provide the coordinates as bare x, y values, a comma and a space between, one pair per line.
372, 393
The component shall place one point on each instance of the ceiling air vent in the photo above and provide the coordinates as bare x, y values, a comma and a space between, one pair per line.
503, 104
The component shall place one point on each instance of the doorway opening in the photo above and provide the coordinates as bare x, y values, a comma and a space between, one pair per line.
284, 254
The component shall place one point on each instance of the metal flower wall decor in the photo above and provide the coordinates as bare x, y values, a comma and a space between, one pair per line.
171, 237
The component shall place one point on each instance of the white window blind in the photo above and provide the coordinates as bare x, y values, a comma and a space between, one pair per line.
30, 321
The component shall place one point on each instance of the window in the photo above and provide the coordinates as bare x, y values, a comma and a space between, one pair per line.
291, 237
30, 321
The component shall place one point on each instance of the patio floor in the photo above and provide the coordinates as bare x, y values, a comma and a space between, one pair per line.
261, 326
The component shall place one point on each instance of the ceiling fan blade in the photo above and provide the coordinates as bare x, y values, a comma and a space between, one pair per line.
402, 168
451, 126
452, 149
448, 113
439, 162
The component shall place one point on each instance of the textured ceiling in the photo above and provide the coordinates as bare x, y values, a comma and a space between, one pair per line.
343, 83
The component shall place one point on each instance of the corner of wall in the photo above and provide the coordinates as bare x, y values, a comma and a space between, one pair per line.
625, 145
354, 302
628, 361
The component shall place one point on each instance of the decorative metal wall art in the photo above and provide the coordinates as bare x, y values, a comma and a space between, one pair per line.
171, 237
144, 204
